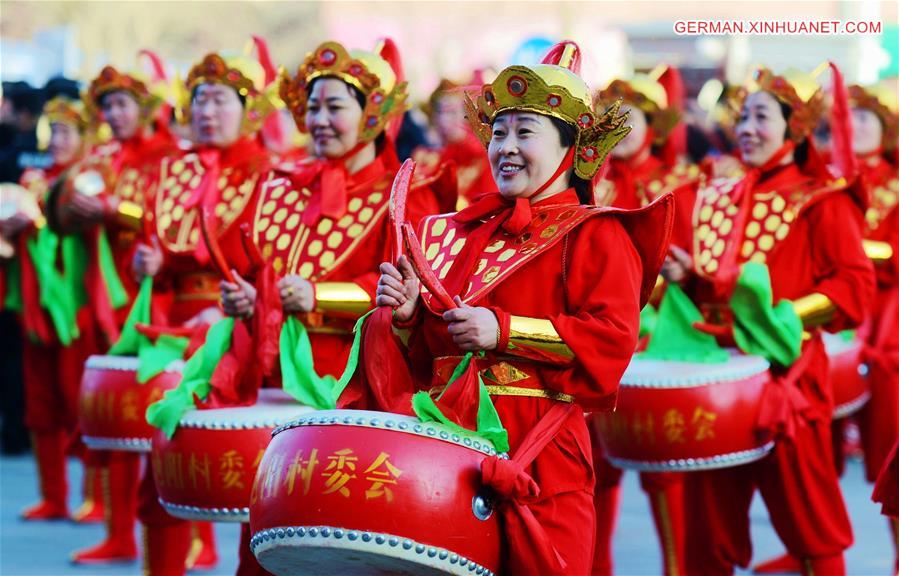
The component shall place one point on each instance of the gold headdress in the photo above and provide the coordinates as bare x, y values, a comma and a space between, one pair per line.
245, 75
881, 102
647, 94
554, 89
798, 90
369, 72
149, 96
61, 110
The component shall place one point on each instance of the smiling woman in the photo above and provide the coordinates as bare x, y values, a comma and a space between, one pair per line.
547, 298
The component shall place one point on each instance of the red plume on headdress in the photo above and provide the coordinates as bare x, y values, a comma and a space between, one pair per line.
841, 128
158, 75
566, 54
265, 59
676, 144
271, 133
155, 63
387, 50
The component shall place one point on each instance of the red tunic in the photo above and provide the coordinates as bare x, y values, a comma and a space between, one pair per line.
879, 420
544, 273
346, 248
189, 273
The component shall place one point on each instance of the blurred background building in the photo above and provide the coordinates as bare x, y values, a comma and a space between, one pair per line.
40, 40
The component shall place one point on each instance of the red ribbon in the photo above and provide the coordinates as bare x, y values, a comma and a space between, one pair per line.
206, 196
329, 193
784, 408
532, 551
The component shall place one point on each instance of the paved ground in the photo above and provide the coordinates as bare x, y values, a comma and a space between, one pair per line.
43, 548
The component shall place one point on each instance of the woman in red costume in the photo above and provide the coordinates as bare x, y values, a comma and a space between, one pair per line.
212, 186
43, 284
777, 254
548, 288
875, 129
643, 167
320, 224
458, 145
103, 200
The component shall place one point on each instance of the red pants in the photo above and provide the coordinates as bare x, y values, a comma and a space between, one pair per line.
52, 379
665, 493
800, 488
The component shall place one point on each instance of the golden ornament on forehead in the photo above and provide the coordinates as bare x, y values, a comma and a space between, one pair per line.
553, 89
798, 90
368, 72
880, 100
241, 73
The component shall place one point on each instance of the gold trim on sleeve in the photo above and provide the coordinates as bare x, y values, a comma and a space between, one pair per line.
814, 310
346, 298
879, 252
537, 338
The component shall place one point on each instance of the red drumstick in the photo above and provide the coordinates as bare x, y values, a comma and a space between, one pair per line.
250, 247
396, 207
420, 264
215, 251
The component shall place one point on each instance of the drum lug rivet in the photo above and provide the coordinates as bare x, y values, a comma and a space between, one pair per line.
375, 422
431, 432
407, 544
394, 542
454, 558
348, 420
281, 533
313, 531
863, 369
463, 561
326, 532
352, 535
380, 539
443, 554
338, 533
417, 428
472, 567
403, 425
419, 548
480, 570
290, 532
360, 421
301, 531
366, 537
432, 552
481, 507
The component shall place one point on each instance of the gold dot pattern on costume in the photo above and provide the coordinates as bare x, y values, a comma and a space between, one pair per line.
324, 244
185, 177
438, 261
883, 200
505, 252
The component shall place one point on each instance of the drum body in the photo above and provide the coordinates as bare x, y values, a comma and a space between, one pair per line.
360, 492
205, 470
112, 405
848, 374
681, 416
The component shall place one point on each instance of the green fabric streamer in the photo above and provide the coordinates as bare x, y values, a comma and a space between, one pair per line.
298, 375
155, 358
56, 295
74, 265
13, 300
166, 413
115, 290
648, 318
489, 424
760, 327
675, 339
130, 340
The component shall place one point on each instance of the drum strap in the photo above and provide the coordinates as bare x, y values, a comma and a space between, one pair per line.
516, 490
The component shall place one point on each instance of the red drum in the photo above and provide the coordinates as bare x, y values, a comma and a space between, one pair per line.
112, 405
360, 492
206, 470
847, 374
680, 416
